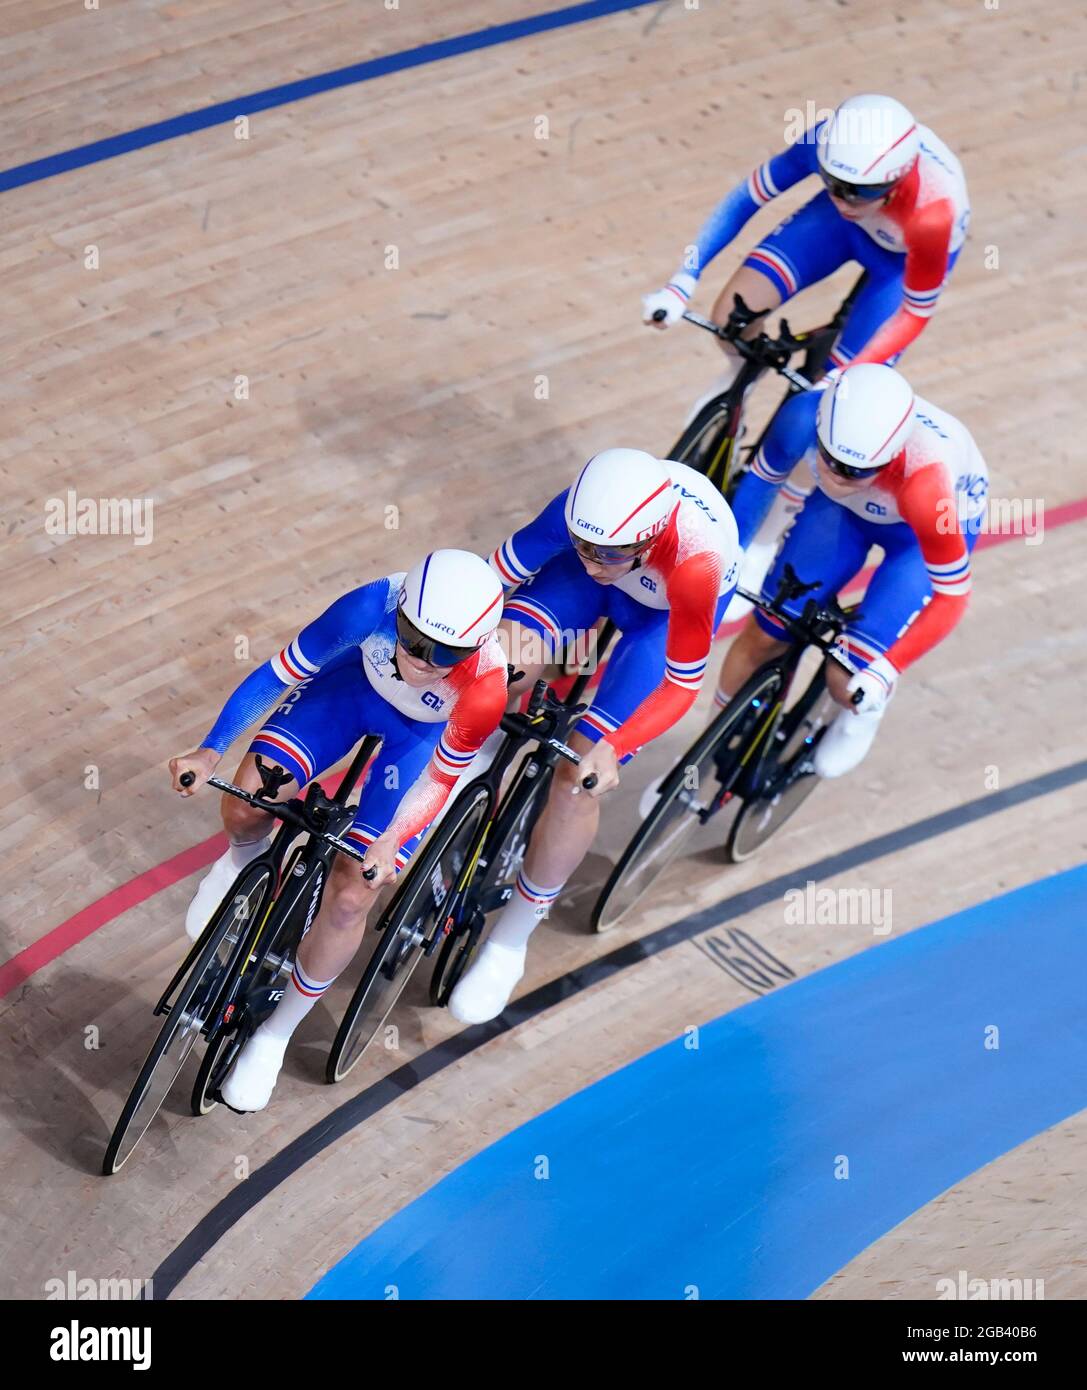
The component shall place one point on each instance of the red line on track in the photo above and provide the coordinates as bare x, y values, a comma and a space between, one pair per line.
19, 968
47, 948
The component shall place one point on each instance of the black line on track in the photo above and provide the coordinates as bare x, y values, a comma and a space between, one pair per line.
227, 1212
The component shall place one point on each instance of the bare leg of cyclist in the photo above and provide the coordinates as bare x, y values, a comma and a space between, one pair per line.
560, 841
745, 655
248, 831
758, 293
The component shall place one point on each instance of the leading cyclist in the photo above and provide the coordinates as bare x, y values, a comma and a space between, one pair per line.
894, 199
651, 545
412, 658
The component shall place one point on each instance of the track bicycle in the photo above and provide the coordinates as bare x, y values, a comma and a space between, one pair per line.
709, 443
757, 752
464, 870
234, 974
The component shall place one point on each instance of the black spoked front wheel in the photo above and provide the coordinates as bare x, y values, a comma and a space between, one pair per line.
257, 991
408, 923
454, 955
689, 795
188, 1013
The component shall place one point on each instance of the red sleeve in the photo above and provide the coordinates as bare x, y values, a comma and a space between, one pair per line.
693, 590
928, 239
930, 508
475, 717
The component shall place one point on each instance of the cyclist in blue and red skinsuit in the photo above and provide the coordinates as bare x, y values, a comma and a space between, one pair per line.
891, 470
650, 544
410, 658
894, 201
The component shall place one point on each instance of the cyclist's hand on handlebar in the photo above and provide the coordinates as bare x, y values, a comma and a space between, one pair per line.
202, 762
600, 763
870, 689
381, 855
664, 307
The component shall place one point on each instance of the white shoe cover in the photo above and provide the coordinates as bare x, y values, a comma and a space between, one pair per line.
485, 988
846, 742
253, 1076
215, 882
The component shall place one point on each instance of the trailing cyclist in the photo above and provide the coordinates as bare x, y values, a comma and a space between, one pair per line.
412, 658
889, 469
651, 545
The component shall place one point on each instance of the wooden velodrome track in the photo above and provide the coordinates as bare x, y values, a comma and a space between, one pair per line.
417, 388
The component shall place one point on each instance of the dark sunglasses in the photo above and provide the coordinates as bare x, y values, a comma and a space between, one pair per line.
609, 554
847, 470
855, 193
428, 649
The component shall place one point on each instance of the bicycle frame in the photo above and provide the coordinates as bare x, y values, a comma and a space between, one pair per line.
749, 774
759, 354
323, 818
818, 343
787, 663
505, 810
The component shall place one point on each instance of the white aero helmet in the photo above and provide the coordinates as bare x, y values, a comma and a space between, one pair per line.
864, 419
449, 604
619, 502
867, 146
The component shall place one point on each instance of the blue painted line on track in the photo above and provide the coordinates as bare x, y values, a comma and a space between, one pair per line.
248, 105
716, 1168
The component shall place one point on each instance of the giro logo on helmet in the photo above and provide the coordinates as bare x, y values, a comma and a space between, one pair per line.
865, 417
623, 496
647, 532
871, 142
449, 604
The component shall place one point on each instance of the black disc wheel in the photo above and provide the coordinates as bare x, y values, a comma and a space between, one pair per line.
408, 923
217, 1060
188, 1013
709, 446
689, 795
757, 820
500, 863
788, 777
